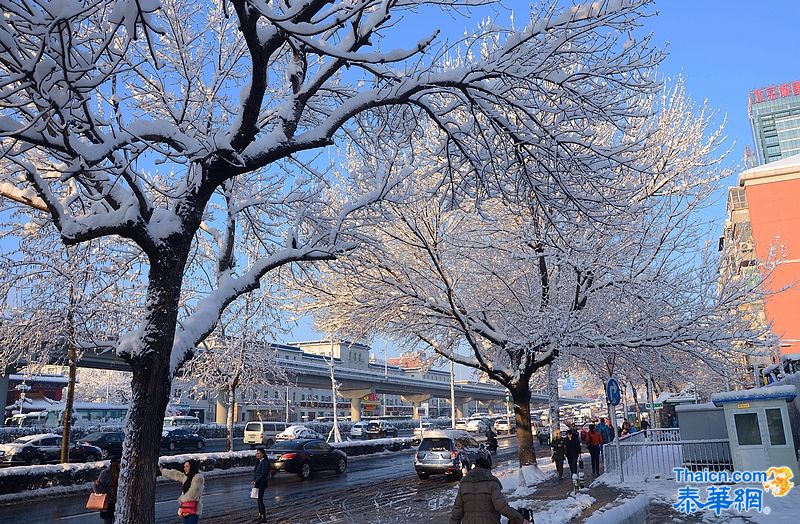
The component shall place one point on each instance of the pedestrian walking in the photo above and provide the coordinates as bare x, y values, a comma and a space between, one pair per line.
572, 447
480, 498
107, 483
645, 426
606, 432
593, 443
559, 453
191, 503
260, 481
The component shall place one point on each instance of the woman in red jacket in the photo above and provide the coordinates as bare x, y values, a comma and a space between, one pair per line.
593, 442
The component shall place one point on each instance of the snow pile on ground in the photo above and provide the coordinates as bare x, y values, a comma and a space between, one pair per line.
564, 510
626, 512
528, 477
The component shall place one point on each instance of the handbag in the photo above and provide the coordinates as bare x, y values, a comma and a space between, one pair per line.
188, 508
254, 493
97, 501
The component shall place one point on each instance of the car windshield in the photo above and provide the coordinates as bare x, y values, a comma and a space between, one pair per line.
435, 444
285, 445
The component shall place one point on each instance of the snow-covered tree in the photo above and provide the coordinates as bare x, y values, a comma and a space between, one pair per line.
132, 119
58, 302
103, 385
237, 361
517, 286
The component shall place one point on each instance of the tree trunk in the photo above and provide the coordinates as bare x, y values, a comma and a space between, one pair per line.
521, 395
150, 393
68, 403
229, 416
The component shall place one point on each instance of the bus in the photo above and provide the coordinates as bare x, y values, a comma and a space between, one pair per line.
87, 414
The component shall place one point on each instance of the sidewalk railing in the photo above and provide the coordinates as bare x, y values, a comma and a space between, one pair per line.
651, 458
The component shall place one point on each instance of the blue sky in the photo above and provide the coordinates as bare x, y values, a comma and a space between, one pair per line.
724, 49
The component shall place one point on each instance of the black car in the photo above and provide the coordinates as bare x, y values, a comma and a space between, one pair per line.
173, 439
110, 442
44, 449
380, 429
305, 456
451, 453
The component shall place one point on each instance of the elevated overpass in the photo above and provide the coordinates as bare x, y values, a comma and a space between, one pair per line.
308, 370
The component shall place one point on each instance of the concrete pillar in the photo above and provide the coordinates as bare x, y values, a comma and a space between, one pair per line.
355, 409
221, 410
355, 396
490, 407
415, 401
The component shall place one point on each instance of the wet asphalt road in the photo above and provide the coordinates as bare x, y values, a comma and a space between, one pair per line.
372, 485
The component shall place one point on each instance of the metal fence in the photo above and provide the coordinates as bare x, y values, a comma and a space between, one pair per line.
660, 453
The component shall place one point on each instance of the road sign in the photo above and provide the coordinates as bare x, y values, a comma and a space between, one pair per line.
566, 373
654, 405
613, 393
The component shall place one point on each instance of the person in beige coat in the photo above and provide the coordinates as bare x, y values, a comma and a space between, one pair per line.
480, 498
191, 503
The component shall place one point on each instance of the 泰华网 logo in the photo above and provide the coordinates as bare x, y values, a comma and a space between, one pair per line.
779, 481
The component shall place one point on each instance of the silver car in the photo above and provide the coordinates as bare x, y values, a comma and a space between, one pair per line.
358, 430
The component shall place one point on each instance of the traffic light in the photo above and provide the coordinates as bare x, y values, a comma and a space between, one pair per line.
508, 396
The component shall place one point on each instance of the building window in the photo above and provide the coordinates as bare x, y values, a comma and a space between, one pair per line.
737, 198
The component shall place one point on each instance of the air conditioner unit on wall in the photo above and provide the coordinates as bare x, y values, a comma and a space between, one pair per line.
745, 246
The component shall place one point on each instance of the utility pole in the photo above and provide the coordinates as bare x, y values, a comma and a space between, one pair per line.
452, 394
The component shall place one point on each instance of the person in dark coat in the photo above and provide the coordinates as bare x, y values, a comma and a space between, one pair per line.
573, 450
260, 481
107, 483
559, 453
480, 498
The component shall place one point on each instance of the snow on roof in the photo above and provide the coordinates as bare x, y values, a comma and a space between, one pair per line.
779, 167
59, 379
705, 406
766, 393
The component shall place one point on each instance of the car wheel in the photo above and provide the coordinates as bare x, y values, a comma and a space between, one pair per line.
35, 461
341, 466
200, 444
91, 457
172, 446
305, 470
104, 454
423, 475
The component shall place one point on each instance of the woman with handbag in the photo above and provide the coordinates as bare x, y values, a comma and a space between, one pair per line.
106, 484
191, 505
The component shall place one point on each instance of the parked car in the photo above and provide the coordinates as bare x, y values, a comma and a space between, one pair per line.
175, 438
180, 420
380, 429
477, 425
298, 432
504, 425
109, 442
451, 453
260, 433
305, 456
461, 423
357, 430
44, 449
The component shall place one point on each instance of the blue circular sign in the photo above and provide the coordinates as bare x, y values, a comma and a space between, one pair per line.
613, 392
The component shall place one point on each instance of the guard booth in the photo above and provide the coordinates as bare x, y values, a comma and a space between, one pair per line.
758, 427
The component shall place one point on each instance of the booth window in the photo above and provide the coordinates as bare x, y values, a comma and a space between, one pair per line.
775, 425
747, 431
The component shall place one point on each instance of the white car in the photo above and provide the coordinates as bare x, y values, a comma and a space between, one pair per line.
476, 425
357, 430
504, 425
418, 432
298, 432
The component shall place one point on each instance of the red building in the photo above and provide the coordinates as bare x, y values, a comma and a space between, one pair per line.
772, 193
